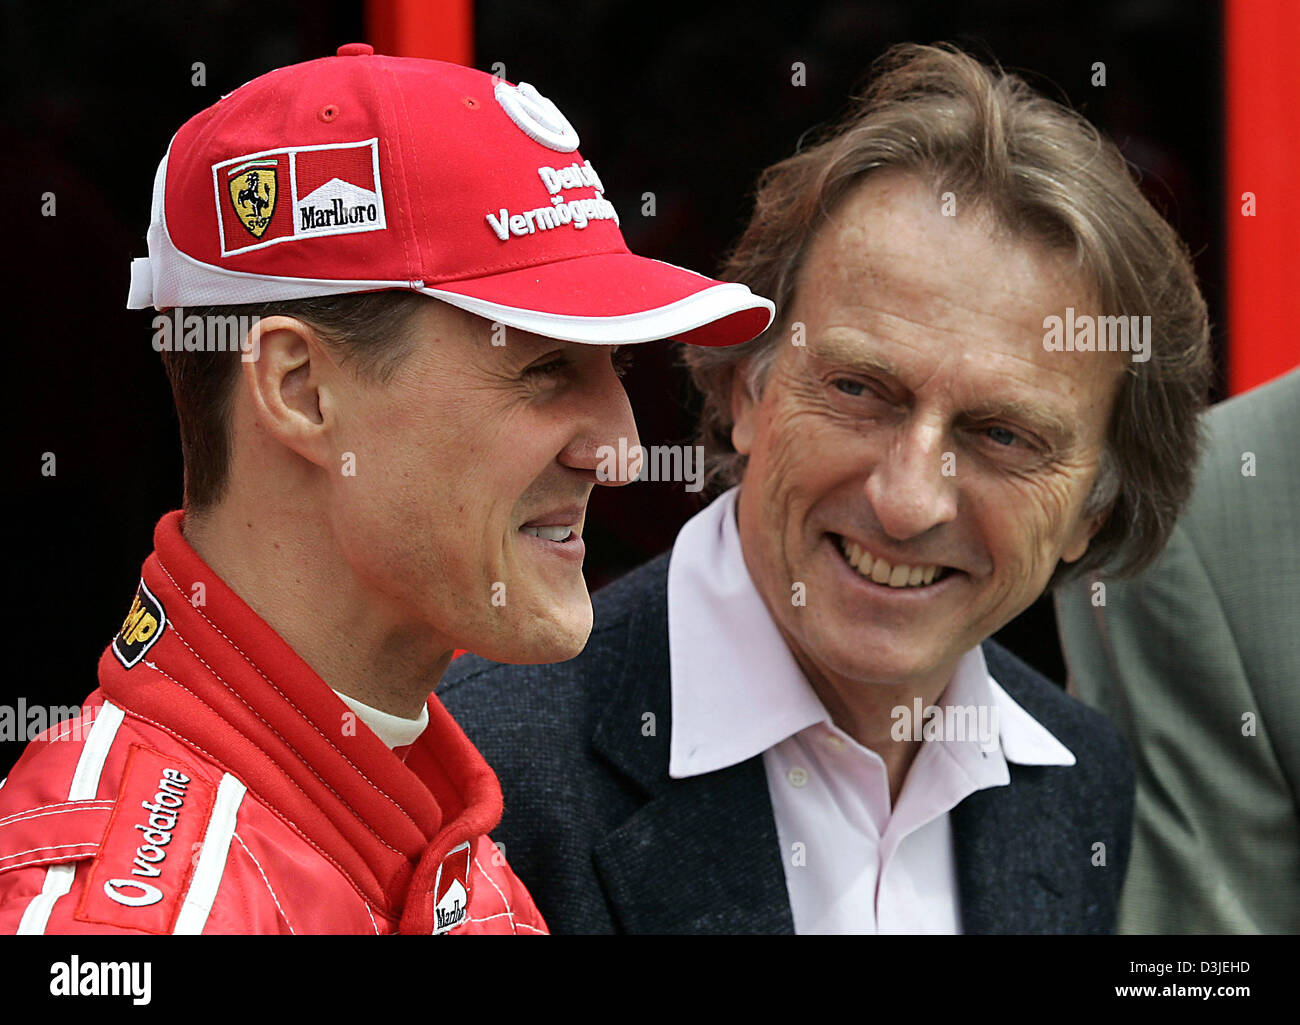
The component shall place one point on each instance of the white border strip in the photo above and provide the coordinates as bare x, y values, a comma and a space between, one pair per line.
704, 307
212, 858
85, 785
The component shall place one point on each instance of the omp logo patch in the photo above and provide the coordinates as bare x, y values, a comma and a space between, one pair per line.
332, 190
146, 859
253, 187
143, 625
451, 890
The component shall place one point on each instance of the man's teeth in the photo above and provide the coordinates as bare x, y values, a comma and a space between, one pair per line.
882, 572
550, 533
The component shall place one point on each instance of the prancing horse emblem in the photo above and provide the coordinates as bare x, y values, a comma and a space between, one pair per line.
252, 191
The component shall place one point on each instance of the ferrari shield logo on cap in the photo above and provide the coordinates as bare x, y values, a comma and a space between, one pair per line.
253, 190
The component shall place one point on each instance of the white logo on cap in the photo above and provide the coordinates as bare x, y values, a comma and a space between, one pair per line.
537, 117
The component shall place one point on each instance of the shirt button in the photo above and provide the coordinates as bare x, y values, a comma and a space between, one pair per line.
798, 776
355, 50
834, 743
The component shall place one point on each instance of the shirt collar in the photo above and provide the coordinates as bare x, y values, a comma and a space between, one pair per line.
736, 688
393, 730
1022, 738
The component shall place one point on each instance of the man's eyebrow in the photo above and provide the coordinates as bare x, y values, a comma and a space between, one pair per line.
522, 347
851, 356
1037, 418
1034, 416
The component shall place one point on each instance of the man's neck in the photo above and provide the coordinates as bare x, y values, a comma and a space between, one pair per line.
865, 711
289, 573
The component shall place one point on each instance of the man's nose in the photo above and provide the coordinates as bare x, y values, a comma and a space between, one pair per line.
913, 486
605, 448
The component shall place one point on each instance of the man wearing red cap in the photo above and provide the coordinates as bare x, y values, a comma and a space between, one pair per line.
393, 291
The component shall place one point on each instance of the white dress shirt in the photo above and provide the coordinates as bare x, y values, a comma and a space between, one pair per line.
853, 863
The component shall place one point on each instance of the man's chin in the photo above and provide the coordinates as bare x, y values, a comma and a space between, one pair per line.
882, 661
542, 639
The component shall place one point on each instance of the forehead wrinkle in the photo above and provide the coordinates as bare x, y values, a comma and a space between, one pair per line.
928, 310
867, 261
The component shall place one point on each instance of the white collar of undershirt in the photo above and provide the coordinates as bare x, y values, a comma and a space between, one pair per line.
736, 688
393, 730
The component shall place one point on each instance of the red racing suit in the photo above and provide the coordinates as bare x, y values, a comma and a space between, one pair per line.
215, 784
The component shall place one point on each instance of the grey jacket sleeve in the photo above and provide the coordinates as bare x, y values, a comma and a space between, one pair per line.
1198, 662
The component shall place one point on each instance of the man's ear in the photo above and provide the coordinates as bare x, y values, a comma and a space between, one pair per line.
1083, 535
742, 410
289, 383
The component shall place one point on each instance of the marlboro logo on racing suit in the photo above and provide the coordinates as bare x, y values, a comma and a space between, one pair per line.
451, 890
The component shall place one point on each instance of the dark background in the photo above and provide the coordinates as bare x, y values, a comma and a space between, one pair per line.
686, 100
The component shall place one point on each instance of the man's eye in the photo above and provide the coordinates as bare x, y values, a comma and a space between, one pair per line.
1002, 436
850, 387
547, 369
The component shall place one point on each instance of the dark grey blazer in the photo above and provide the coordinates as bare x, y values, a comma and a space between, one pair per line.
607, 842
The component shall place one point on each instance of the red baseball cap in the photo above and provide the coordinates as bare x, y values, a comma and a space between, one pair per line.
358, 172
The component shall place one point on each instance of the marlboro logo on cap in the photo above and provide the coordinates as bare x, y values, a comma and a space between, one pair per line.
358, 172
333, 190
